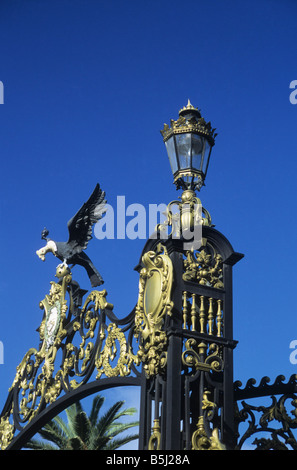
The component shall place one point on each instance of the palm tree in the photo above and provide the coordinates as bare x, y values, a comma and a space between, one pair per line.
82, 432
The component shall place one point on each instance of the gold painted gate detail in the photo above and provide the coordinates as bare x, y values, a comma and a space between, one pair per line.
76, 342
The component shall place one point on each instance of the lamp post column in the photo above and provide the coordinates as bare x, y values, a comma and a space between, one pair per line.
185, 305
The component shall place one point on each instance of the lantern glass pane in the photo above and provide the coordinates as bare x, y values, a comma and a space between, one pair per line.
197, 151
206, 154
183, 145
170, 147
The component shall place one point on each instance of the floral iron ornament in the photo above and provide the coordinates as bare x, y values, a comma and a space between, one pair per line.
273, 424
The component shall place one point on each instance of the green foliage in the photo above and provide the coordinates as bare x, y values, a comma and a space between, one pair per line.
83, 432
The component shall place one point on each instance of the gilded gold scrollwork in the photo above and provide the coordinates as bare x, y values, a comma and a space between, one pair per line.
109, 353
182, 216
37, 382
79, 358
99, 299
204, 267
6, 432
155, 439
201, 441
101, 347
154, 304
36, 388
210, 361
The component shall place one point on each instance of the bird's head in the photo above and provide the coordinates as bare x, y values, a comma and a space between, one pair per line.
44, 234
50, 246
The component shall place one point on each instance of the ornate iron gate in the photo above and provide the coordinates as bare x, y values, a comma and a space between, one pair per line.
176, 345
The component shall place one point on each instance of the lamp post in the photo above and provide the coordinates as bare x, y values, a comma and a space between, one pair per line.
190, 398
189, 142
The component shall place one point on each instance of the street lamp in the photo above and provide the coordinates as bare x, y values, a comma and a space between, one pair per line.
189, 142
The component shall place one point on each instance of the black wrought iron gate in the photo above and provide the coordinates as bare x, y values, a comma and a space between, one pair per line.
176, 345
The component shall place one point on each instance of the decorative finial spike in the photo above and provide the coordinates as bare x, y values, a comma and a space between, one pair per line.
189, 107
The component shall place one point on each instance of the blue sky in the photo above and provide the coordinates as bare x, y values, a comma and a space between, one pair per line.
87, 87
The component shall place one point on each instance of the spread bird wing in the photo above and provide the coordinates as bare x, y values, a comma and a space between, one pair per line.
80, 226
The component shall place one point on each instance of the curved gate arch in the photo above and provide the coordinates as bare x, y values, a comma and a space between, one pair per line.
64, 402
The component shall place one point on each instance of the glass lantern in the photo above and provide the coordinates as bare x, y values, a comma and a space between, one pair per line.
189, 142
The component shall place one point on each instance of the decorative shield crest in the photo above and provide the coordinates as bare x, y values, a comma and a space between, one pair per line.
52, 323
153, 305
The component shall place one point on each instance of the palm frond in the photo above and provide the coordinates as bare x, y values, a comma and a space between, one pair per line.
52, 432
82, 427
75, 443
83, 432
35, 444
96, 407
118, 428
116, 443
71, 413
64, 428
109, 417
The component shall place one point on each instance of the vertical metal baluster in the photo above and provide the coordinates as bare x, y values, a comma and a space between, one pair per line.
202, 315
185, 310
210, 316
219, 319
193, 312
202, 347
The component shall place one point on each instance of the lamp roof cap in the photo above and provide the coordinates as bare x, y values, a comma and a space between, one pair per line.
189, 109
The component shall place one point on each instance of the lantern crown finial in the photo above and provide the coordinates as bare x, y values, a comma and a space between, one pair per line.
189, 108
190, 120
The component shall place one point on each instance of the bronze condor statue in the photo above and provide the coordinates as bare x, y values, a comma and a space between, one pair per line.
80, 233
